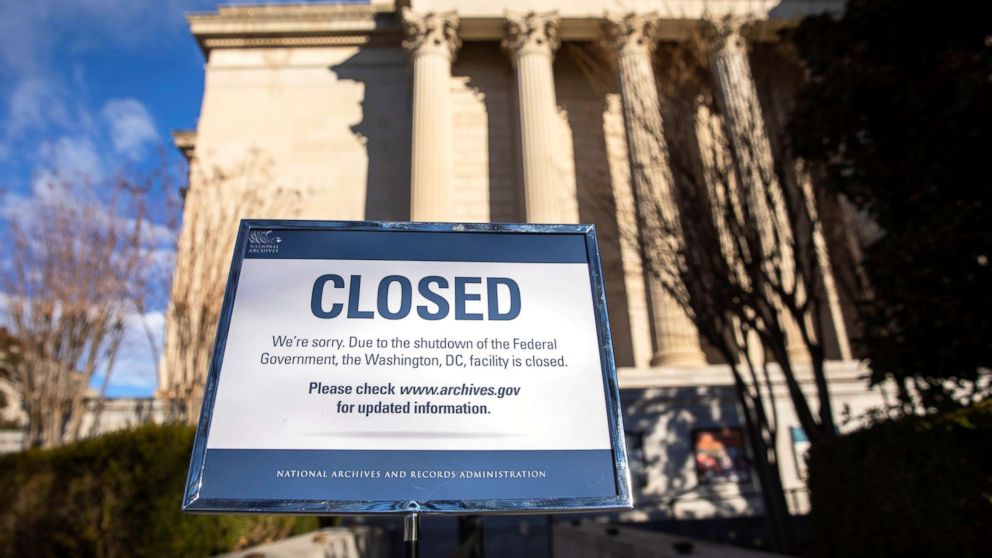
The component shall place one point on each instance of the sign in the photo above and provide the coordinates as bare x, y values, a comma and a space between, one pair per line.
720, 455
397, 367
800, 451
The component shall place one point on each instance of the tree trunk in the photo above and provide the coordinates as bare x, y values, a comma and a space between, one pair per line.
779, 521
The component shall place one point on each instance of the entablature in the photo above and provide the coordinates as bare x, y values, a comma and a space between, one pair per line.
378, 22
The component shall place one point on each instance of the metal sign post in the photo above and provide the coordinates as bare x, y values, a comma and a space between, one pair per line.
411, 535
411, 368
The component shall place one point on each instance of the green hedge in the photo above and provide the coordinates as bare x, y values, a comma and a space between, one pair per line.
118, 495
907, 487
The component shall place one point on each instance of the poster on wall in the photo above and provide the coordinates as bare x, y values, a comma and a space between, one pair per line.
392, 367
720, 455
800, 450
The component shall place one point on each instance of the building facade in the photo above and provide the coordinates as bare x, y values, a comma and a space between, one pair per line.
540, 111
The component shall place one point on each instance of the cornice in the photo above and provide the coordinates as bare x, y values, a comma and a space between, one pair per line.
844, 376
185, 142
293, 25
296, 40
360, 24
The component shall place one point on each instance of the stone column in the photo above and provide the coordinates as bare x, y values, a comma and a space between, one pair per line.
762, 191
432, 41
823, 261
633, 39
531, 41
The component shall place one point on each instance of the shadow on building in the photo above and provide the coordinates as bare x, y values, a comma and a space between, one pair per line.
385, 128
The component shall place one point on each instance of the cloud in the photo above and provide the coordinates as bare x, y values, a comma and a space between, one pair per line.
135, 366
20, 23
4, 316
34, 105
30, 28
131, 126
13, 204
51, 128
43, 92
68, 157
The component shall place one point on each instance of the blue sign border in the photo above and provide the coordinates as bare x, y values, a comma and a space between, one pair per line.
194, 501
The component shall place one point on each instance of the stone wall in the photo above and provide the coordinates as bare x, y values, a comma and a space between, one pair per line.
661, 413
330, 122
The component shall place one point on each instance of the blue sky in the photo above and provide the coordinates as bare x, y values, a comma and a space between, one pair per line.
92, 87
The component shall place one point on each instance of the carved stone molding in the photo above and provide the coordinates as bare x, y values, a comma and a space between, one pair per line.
288, 42
531, 32
432, 32
726, 35
631, 31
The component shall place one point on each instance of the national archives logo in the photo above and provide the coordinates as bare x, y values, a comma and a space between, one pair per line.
263, 242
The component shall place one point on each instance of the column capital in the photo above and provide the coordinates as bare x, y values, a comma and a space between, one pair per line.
431, 33
631, 31
727, 34
531, 32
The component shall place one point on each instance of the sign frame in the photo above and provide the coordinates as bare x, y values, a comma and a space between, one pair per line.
194, 503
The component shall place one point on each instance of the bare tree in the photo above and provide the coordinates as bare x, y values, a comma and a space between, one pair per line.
745, 257
770, 237
743, 251
687, 245
214, 205
10, 359
77, 261
734, 237
156, 195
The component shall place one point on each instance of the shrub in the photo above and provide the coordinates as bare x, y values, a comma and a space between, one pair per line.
917, 486
118, 495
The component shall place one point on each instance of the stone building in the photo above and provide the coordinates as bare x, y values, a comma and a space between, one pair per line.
500, 111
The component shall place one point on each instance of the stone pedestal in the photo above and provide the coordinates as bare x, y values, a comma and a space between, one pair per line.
432, 41
632, 39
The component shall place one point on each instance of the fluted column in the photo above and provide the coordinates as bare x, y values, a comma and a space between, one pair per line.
531, 41
762, 190
432, 40
633, 39
823, 262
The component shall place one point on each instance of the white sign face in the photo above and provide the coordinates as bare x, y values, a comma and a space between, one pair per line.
395, 366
